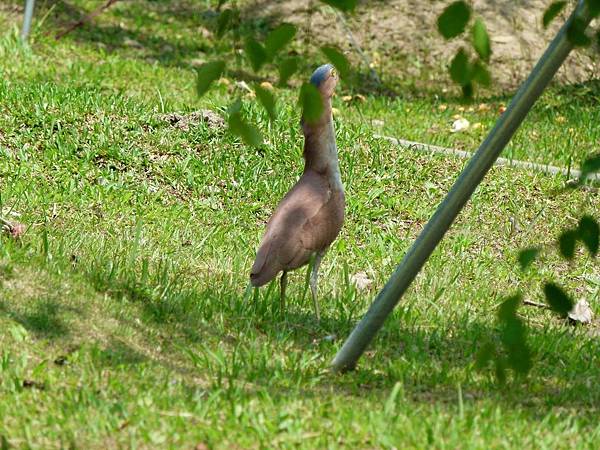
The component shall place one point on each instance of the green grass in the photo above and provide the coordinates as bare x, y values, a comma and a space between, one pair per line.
121, 307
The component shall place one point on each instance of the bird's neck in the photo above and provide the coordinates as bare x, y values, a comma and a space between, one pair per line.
320, 150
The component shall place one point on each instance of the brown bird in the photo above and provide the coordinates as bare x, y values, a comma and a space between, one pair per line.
311, 214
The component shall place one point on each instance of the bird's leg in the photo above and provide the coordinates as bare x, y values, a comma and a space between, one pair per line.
314, 275
283, 286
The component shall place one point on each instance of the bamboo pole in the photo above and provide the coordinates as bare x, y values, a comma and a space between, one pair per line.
461, 192
27, 17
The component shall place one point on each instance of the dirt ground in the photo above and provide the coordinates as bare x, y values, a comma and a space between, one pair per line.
399, 37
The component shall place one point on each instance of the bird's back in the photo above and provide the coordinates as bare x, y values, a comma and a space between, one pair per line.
308, 219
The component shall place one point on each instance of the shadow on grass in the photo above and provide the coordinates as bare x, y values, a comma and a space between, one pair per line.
44, 320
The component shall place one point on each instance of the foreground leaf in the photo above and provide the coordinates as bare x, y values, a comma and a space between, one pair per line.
223, 21
206, 74
338, 59
557, 299
256, 54
279, 38
287, 68
576, 33
481, 40
480, 74
551, 12
267, 99
589, 233
581, 312
310, 101
454, 19
460, 69
249, 134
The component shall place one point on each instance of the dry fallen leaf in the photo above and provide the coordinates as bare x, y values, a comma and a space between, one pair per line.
581, 312
483, 107
335, 111
377, 123
266, 85
442, 107
459, 125
361, 280
501, 109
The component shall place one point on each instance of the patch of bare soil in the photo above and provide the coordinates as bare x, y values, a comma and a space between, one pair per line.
401, 40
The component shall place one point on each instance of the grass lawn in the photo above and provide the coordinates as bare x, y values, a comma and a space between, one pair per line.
121, 310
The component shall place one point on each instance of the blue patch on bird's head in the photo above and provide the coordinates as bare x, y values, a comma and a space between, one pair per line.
321, 74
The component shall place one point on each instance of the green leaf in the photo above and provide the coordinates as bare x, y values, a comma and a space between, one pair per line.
589, 233
206, 74
590, 166
460, 68
256, 54
342, 5
223, 21
557, 299
338, 59
310, 100
481, 40
249, 134
594, 7
267, 99
480, 74
287, 68
576, 33
551, 12
454, 19
527, 256
279, 38
566, 243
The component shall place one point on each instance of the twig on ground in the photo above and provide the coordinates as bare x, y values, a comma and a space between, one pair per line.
545, 168
536, 304
85, 19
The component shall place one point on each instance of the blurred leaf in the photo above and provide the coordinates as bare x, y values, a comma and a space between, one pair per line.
235, 107
249, 134
223, 21
279, 38
267, 99
590, 166
589, 233
594, 7
480, 74
527, 256
557, 299
342, 5
287, 68
500, 370
551, 12
484, 355
310, 100
508, 308
566, 243
576, 33
481, 40
460, 69
206, 74
338, 59
467, 90
454, 19
255, 53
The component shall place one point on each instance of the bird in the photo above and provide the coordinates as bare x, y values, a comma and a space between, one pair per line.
310, 216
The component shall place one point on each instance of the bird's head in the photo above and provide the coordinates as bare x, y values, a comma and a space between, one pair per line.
325, 79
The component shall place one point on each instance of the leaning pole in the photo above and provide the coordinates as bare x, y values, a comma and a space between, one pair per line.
461, 192
27, 17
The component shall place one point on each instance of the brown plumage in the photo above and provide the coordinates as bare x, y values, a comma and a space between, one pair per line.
311, 214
